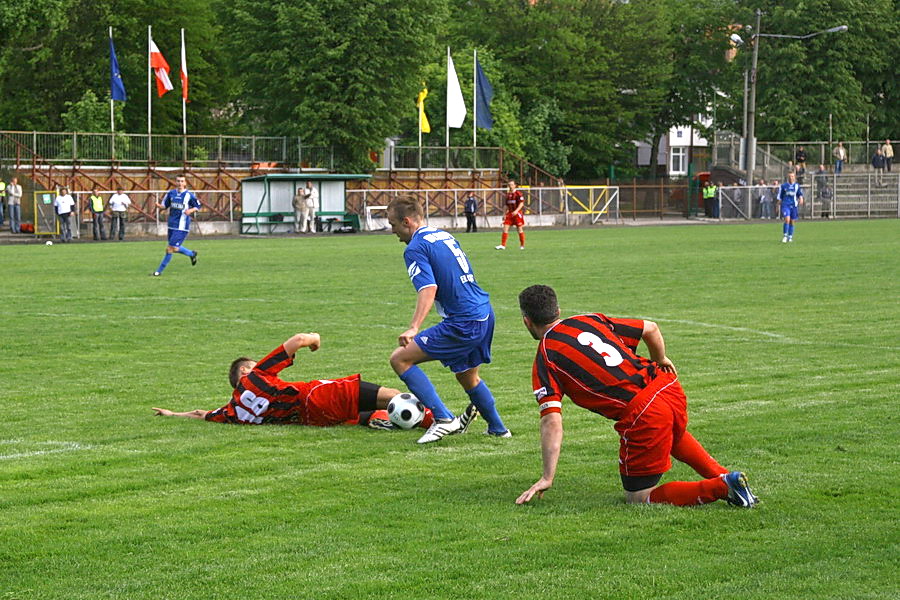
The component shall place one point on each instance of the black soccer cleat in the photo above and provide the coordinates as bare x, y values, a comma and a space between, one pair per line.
466, 418
194, 258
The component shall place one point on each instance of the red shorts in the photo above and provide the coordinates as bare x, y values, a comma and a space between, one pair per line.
516, 219
333, 402
650, 429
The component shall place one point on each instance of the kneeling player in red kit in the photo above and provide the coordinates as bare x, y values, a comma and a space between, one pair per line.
260, 397
592, 359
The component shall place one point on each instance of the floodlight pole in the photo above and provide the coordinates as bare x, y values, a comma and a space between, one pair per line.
750, 141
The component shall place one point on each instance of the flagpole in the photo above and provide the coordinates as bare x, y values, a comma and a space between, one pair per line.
420, 110
183, 100
474, 109
447, 119
149, 95
112, 122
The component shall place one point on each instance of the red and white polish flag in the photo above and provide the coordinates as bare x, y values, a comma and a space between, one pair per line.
184, 74
161, 69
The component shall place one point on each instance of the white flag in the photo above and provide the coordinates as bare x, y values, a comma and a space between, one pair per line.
456, 106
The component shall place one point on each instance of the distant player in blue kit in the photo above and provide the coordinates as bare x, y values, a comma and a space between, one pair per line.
181, 204
443, 277
789, 194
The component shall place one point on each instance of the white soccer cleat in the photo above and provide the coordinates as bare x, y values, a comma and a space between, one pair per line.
784, 240
790, 238
438, 430
505, 434
501, 247
521, 247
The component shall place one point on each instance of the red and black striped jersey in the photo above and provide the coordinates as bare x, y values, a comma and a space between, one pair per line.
513, 199
591, 359
262, 397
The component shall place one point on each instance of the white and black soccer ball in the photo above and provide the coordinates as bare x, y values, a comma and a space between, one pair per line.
405, 411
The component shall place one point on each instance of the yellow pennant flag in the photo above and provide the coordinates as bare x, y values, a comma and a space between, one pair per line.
424, 126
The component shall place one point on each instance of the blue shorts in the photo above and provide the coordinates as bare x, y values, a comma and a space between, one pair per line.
177, 237
460, 345
789, 211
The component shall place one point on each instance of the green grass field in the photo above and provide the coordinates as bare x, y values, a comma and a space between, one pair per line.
788, 355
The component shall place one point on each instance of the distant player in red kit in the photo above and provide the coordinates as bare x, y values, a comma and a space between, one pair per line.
260, 397
515, 209
591, 358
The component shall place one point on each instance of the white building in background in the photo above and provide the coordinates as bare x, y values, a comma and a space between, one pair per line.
675, 150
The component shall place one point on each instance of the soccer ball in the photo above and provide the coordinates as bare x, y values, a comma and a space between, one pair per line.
405, 411
49, 243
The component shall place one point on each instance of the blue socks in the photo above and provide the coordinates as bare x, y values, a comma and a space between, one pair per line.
790, 231
483, 400
164, 262
784, 228
419, 384
185, 251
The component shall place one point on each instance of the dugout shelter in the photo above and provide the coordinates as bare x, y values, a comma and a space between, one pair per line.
267, 208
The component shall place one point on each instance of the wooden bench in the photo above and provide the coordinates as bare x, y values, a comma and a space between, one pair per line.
329, 219
265, 219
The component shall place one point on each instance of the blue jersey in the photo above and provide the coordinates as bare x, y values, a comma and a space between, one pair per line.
177, 203
433, 258
788, 194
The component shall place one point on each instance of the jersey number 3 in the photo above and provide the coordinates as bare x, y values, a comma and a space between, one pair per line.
610, 354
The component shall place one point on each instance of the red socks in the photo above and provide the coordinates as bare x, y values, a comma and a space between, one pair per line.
522, 239
503, 238
690, 493
689, 451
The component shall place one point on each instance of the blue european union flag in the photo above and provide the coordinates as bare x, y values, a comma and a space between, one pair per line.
483, 99
115, 76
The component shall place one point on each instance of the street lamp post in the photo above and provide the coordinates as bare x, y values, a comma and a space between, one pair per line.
750, 141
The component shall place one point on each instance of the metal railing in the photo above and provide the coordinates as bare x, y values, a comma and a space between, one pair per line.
598, 202
130, 148
849, 195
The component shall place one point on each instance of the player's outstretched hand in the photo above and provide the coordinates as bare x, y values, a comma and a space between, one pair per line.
538, 488
162, 412
667, 366
407, 336
315, 341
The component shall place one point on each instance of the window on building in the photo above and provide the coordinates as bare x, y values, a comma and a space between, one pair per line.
678, 161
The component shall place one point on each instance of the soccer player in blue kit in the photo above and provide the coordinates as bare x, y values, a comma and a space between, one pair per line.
443, 277
788, 195
182, 204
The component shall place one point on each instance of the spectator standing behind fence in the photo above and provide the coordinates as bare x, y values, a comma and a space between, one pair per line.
2, 199
14, 204
470, 209
800, 158
878, 163
820, 178
765, 200
840, 155
886, 149
776, 203
64, 203
312, 206
710, 204
97, 209
299, 204
118, 204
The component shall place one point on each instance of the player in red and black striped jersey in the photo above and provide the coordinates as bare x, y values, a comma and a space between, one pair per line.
593, 360
515, 215
261, 397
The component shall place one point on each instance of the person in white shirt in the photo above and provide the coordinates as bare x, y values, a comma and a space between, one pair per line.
308, 214
118, 204
14, 204
64, 203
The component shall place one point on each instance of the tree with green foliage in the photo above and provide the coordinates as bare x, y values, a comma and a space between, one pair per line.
334, 72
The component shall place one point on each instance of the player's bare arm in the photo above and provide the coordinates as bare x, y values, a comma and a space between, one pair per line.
424, 302
193, 414
652, 336
551, 445
302, 340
